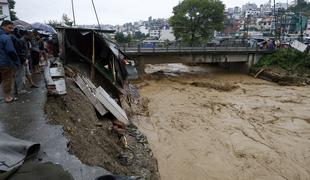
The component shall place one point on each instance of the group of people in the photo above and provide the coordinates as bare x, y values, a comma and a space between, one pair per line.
21, 54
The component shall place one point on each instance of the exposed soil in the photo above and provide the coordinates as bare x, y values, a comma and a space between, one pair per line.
246, 129
282, 77
93, 141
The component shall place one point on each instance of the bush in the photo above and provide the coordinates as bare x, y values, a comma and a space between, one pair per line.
287, 59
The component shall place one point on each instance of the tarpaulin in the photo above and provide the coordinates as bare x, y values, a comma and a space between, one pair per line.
14, 151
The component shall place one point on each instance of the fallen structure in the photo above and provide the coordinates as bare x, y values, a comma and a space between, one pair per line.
98, 67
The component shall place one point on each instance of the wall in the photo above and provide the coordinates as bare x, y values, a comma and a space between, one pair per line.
5, 10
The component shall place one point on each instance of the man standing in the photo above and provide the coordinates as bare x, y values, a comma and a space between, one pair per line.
25, 55
8, 59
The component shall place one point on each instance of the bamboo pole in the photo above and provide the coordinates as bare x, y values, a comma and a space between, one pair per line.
93, 73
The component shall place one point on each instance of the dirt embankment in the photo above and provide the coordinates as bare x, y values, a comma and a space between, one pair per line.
92, 140
227, 126
281, 76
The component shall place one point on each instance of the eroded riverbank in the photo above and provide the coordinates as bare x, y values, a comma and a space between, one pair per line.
217, 125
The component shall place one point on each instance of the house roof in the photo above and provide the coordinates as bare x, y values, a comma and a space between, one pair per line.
87, 29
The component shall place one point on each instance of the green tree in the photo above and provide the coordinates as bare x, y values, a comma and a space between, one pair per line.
66, 20
302, 6
54, 23
121, 38
194, 21
12, 12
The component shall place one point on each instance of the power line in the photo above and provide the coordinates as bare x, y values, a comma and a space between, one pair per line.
96, 13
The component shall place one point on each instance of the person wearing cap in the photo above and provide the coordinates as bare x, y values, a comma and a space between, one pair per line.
8, 60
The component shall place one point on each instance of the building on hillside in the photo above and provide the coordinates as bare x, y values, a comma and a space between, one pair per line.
308, 28
281, 6
155, 33
266, 8
249, 6
144, 30
266, 23
167, 34
4, 10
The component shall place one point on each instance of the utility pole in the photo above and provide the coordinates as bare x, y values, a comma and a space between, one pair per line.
73, 13
275, 19
301, 29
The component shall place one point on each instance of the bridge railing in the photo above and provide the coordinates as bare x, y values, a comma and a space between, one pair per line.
139, 49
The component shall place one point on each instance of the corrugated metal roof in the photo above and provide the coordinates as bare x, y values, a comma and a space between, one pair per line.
87, 29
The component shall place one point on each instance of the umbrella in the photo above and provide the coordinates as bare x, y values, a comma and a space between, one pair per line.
22, 23
43, 27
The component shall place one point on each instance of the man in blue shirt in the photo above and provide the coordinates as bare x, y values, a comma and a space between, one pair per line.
8, 60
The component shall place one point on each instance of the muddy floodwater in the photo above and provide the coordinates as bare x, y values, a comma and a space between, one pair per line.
203, 123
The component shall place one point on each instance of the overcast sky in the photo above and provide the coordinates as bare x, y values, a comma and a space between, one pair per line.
109, 11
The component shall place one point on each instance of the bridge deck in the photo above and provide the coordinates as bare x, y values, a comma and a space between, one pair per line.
136, 51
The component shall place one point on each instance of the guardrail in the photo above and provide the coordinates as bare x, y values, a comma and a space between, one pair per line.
138, 49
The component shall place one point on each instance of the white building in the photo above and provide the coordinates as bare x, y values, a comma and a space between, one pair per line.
4, 10
249, 6
252, 13
266, 8
167, 34
308, 28
155, 33
281, 6
237, 10
144, 30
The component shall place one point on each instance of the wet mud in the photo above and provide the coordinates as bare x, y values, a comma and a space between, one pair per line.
92, 139
209, 124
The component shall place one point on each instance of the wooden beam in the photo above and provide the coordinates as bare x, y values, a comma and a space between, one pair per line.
93, 70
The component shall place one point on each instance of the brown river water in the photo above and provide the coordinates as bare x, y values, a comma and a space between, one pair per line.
205, 123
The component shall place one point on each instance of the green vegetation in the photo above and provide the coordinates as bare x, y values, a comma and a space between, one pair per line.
194, 21
121, 38
12, 12
287, 59
303, 6
65, 20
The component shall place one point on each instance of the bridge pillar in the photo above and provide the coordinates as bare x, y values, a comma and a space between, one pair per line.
252, 60
141, 66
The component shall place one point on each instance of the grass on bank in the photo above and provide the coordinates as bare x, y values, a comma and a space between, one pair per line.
287, 59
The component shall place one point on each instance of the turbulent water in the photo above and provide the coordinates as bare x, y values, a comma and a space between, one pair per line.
209, 124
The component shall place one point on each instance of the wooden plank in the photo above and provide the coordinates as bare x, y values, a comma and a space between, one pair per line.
259, 72
60, 86
90, 84
111, 105
57, 72
89, 90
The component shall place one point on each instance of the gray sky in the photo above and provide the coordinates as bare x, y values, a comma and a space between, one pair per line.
109, 11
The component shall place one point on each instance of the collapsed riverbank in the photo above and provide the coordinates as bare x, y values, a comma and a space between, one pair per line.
285, 67
91, 138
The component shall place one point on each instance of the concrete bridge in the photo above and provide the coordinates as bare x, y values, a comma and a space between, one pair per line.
234, 58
